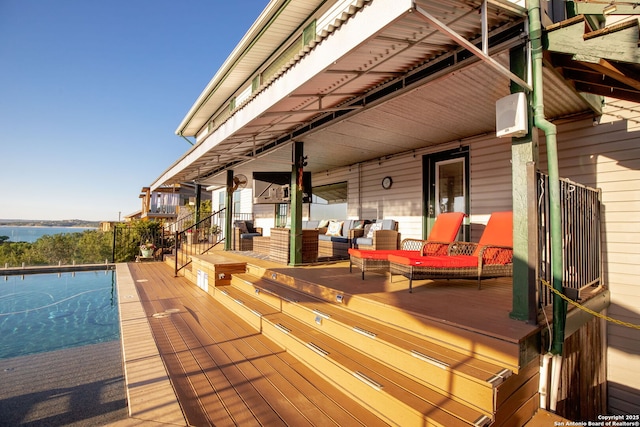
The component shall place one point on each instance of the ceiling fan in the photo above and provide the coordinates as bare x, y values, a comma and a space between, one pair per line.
239, 182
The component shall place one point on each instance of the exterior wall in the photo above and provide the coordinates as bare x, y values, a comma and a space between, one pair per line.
607, 156
490, 186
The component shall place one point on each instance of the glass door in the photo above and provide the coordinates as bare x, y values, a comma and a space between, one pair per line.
446, 187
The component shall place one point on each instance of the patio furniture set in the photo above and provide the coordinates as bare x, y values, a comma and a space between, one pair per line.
440, 257
377, 247
320, 239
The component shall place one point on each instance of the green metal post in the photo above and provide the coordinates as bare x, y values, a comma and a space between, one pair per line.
198, 201
228, 230
524, 152
295, 236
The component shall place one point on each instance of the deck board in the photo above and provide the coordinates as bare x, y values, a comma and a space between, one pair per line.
224, 372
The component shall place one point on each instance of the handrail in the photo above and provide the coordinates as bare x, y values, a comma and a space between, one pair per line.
196, 238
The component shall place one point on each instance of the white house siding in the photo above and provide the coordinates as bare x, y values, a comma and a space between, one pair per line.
490, 176
490, 186
607, 156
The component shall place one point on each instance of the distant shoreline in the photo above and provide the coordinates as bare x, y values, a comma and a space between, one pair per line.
49, 223
50, 226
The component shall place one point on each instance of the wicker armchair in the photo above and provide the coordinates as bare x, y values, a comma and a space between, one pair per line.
491, 257
381, 235
243, 234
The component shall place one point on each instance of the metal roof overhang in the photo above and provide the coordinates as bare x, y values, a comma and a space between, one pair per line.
386, 81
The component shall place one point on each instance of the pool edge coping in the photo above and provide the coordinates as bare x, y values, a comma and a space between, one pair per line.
150, 394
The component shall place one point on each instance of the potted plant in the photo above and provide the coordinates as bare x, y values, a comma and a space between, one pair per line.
215, 230
147, 249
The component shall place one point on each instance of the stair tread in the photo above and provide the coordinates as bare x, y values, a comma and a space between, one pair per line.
476, 368
421, 398
374, 368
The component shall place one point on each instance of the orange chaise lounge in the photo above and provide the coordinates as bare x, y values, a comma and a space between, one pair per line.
444, 231
491, 257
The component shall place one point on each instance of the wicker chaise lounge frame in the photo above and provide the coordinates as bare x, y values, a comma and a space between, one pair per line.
382, 263
444, 232
491, 257
482, 271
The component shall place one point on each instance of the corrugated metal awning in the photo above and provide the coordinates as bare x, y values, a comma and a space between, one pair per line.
385, 81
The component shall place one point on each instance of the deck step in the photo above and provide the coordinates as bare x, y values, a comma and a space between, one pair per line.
462, 378
404, 366
391, 395
493, 350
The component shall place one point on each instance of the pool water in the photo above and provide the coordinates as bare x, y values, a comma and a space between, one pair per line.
46, 312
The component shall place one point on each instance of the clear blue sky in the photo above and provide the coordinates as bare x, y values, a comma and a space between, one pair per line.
91, 93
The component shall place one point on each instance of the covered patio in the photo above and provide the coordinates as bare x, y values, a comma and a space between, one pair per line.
378, 94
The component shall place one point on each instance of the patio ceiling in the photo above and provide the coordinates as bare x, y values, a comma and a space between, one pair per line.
380, 84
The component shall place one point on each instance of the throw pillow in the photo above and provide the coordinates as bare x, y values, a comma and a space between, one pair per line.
323, 223
374, 227
335, 228
242, 226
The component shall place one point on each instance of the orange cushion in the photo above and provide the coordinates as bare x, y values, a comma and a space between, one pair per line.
380, 254
498, 232
456, 261
446, 227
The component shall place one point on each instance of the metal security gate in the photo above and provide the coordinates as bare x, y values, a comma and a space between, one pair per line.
581, 238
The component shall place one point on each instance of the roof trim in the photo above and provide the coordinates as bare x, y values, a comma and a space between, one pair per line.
262, 23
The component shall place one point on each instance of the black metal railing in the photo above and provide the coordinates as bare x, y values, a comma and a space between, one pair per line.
580, 208
129, 239
196, 237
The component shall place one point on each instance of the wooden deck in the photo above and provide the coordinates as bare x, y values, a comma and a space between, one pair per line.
456, 302
223, 372
226, 373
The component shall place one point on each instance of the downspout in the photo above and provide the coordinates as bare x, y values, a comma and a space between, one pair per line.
549, 129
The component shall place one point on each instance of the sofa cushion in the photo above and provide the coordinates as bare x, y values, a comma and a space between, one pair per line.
310, 225
334, 239
335, 228
365, 241
388, 224
374, 227
249, 235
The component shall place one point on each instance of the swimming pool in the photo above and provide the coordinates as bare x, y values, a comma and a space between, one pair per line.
46, 312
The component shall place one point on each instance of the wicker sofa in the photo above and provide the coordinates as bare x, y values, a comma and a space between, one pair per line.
335, 240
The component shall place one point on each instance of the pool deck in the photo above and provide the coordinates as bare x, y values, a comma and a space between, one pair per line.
150, 395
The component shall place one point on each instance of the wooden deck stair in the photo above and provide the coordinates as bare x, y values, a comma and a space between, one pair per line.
405, 368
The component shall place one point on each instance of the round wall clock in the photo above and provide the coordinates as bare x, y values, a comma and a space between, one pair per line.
386, 182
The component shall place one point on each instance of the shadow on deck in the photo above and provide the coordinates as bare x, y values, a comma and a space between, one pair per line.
227, 372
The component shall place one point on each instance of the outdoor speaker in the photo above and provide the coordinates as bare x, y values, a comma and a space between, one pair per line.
511, 116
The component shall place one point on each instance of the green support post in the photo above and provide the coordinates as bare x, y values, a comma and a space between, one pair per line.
524, 154
228, 230
295, 236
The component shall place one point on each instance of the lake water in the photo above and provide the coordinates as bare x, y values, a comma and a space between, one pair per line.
31, 234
